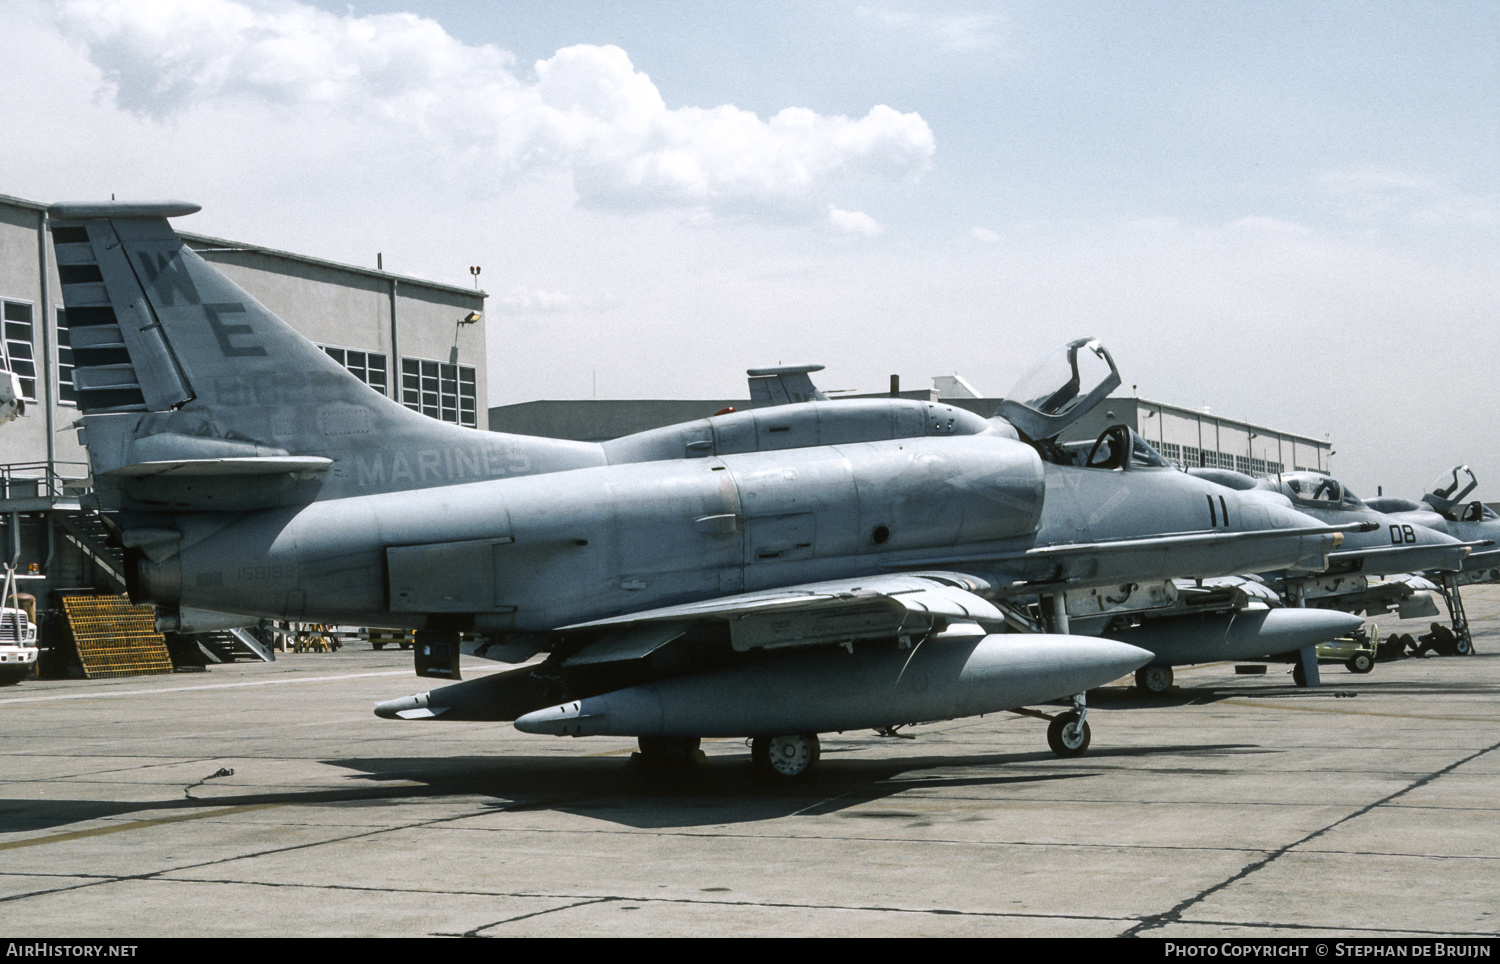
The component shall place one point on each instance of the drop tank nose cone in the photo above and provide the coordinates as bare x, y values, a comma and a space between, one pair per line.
1069, 664
404, 707
580, 718
551, 720
1303, 627
1103, 659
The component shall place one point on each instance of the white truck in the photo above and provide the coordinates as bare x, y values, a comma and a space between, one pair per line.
18, 650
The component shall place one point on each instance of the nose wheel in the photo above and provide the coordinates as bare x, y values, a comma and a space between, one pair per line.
785, 756
1068, 735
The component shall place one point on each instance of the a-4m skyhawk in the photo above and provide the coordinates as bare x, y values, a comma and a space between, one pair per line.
774, 574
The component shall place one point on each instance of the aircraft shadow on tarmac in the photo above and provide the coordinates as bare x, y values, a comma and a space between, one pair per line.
1348, 687
724, 789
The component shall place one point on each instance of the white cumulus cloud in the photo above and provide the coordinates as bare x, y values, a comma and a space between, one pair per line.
588, 112
523, 301
853, 222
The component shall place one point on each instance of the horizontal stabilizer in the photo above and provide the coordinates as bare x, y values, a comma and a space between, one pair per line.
784, 385
84, 210
253, 465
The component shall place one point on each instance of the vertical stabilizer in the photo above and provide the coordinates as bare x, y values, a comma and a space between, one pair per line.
182, 375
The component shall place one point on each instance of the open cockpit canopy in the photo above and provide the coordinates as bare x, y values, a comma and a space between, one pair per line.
1060, 389
1448, 489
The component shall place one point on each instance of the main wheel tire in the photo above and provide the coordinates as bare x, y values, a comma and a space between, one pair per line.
1299, 676
1066, 736
1463, 647
1360, 663
1155, 680
786, 756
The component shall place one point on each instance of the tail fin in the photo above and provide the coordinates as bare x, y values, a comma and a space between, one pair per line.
181, 376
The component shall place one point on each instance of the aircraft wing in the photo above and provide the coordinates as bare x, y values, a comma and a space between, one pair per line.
1069, 562
1487, 559
893, 603
1408, 557
811, 614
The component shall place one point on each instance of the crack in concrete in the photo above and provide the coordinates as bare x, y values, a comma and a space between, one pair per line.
1174, 915
476, 931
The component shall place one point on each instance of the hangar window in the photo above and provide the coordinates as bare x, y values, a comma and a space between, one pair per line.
17, 351
367, 366
443, 391
65, 394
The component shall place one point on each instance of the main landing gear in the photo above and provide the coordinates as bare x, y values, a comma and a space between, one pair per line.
665, 753
1155, 680
785, 756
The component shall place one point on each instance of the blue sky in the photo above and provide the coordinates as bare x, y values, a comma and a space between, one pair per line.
1285, 211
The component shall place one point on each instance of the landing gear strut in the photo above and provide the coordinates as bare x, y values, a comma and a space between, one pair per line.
670, 752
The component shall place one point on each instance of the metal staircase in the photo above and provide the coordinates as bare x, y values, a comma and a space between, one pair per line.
95, 538
233, 645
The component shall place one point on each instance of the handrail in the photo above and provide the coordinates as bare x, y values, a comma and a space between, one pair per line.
47, 479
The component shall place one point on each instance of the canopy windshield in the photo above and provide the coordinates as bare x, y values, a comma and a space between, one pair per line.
1448, 489
1317, 490
1060, 389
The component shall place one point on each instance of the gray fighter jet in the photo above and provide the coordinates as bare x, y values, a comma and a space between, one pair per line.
1238, 618
1443, 508
774, 573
